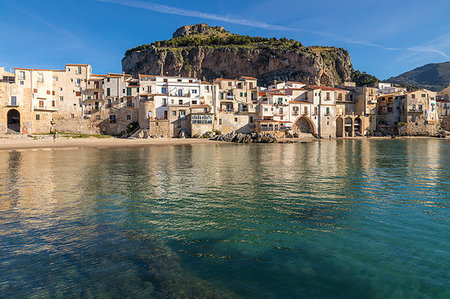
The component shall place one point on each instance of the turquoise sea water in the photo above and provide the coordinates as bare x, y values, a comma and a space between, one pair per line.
329, 219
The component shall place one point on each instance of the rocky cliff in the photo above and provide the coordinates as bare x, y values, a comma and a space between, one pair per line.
212, 52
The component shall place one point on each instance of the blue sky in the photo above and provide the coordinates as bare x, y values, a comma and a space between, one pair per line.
384, 38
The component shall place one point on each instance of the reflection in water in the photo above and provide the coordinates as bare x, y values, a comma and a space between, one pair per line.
347, 217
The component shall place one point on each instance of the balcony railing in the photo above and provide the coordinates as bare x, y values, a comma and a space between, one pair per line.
12, 104
45, 108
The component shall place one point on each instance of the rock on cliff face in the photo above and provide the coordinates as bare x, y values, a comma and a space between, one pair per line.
265, 61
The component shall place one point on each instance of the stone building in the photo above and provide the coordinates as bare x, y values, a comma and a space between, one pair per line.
418, 113
356, 111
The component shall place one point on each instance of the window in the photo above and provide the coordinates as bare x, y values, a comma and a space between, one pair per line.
129, 91
190, 81
194, 102
221, 95
179, 80
107, 80
53, 93
220, 121
305, 110
79, 70
229, 83
245, 94
207, 88
251, 118
108, 92
194, 91
149, 89
72, 115
174, 113
250, 85
182, 114
112, 118
38, 117
164, 90
241, 94
61, 99
423, 95
315, 110
78, 82
22, 75
180, 102
128, 117
53, 104
413, 96
13, 101
420, 107
328, 110
180, 92
22, 83
165, 80
149, 114
48, 91
235, 119
97, 117
164, 102
40, 77
55, 78
78, 93
328, 95
41, 104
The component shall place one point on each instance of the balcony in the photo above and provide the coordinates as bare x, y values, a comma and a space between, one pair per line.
12, 104
44, 108
92, 111
415, 110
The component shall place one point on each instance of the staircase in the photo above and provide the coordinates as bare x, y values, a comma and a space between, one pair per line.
11, 132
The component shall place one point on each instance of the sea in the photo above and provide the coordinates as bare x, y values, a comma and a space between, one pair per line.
324, 219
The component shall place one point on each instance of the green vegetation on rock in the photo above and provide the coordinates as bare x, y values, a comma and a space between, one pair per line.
433, 76
212, 52
364, 79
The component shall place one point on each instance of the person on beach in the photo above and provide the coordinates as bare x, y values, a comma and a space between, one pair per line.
54, 137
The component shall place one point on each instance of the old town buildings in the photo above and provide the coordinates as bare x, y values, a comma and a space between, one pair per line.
76, 100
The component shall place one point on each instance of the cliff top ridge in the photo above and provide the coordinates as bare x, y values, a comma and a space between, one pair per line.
202, 28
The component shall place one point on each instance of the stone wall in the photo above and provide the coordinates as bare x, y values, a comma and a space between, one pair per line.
445, 123
77, 125
158, 128
418, 128
231, 122
41, 125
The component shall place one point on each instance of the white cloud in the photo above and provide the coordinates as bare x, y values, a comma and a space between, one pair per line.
430, 48
196, 14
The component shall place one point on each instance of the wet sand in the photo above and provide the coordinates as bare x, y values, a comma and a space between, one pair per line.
22, 143
48, 143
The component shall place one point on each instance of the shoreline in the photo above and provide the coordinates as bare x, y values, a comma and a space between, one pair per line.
20, 143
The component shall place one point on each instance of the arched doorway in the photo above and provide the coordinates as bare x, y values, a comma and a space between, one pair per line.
304, 125
13, 121
339, 127
357, 126
348, 127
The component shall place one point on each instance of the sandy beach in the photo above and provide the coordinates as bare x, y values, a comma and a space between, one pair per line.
46, 142
18, 143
